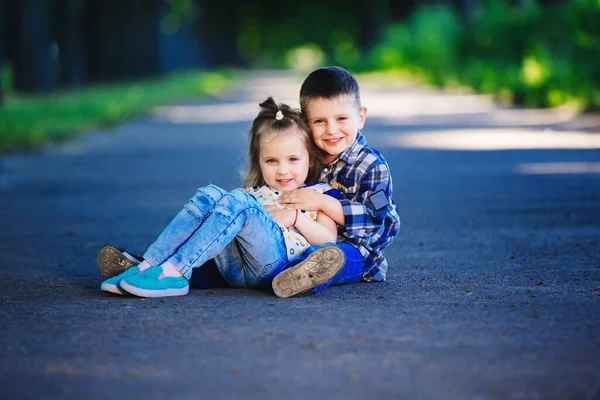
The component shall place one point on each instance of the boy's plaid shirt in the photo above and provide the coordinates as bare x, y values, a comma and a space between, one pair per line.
372, 221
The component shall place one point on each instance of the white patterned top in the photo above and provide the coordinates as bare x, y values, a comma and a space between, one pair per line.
295, 243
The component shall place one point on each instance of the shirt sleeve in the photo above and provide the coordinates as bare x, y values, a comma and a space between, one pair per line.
336, 194
365, 215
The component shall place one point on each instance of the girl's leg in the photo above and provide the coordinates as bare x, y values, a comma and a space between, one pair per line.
247, 242
242, 236
185, 223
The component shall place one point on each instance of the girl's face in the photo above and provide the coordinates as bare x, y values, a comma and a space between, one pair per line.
284, 160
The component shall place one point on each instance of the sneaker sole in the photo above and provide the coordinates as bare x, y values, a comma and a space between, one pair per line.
318, 268
153, 293
111, 261
108, 287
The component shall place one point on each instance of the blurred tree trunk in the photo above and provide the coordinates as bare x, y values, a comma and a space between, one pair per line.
92, 40
103, 40
402, 9
468, 8
375, 17
69, 36
32, 58
143, 41
220, 23
524, 3
121, 38
3, 40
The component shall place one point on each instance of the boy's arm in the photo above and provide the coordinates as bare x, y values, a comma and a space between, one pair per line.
371, 205
364, 215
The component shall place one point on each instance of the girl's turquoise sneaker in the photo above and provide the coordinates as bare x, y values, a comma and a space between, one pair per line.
151, 283
112, 285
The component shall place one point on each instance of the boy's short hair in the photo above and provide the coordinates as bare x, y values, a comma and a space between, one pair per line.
326, 83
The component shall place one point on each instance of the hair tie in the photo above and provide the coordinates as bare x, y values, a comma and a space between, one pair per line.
279, 116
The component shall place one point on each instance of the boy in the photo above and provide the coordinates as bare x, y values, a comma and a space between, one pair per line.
330, 102
367, 215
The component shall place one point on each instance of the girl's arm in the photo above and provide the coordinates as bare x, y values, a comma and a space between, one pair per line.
321, 231
309, 199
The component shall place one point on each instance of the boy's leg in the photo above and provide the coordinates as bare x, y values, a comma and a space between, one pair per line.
352, 270
207, 277
185, 224
239, 228
319, 267
112, 261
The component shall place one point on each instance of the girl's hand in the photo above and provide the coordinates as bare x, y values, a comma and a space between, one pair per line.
302, 199
284, 217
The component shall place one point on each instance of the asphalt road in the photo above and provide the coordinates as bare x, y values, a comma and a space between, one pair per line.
493, 289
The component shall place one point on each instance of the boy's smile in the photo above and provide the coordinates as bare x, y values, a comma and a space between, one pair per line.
334, 123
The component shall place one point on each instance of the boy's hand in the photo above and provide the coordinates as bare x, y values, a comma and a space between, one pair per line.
302, 199
284, 217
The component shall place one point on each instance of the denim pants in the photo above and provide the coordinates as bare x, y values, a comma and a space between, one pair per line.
351, 272
231, 228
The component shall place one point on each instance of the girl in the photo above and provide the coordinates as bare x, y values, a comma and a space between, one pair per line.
247, 233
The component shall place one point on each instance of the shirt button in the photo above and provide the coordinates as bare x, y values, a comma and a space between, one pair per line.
325, 169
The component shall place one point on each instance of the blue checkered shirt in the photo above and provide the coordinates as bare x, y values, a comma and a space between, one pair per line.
372, 221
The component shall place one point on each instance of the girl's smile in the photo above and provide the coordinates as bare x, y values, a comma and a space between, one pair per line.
284, 160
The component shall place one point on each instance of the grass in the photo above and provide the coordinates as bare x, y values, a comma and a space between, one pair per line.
30, 121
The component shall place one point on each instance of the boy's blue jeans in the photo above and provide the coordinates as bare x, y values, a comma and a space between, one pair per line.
351, 272
231, 228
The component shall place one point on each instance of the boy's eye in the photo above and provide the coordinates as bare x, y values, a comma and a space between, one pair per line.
342, 118
318, 121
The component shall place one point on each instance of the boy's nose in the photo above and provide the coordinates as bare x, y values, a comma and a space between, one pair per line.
332, 128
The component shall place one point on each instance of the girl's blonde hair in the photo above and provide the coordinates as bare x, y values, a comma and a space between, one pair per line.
273, 119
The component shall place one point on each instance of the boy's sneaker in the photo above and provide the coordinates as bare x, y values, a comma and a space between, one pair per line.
112, 261
316, 269
112, 284
152, 283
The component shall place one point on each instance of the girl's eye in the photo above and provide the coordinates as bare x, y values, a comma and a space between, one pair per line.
293, 159
270, 161
318, 121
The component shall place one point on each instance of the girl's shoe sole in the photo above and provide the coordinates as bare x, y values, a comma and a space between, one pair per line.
318, 268
108, 287
153, 293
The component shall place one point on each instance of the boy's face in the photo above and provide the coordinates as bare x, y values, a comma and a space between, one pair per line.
334, 123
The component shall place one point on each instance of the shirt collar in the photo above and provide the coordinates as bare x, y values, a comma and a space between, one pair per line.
350, 155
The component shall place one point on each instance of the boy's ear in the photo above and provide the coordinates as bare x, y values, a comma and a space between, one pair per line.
362, 117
